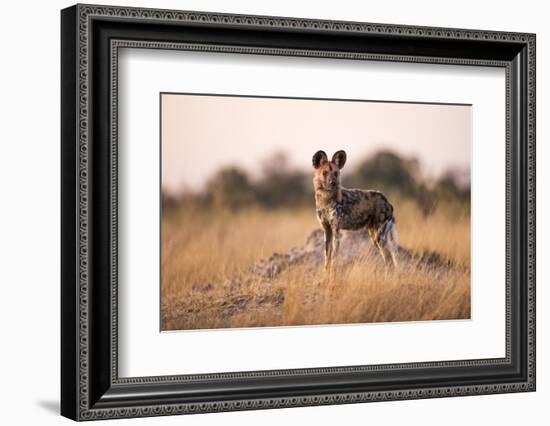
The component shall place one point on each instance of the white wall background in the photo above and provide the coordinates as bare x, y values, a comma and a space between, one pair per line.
29, 213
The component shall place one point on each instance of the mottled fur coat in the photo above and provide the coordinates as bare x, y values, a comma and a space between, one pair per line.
350, 210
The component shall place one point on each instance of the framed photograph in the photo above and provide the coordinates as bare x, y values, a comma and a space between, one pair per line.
263, 212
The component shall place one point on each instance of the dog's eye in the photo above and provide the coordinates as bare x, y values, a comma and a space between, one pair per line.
336, 174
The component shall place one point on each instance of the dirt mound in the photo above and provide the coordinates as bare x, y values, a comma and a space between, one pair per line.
354, 246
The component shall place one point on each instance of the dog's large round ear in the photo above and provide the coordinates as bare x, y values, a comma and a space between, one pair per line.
339, 158
319, 158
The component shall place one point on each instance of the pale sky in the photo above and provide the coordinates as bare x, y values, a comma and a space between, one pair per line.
201, 134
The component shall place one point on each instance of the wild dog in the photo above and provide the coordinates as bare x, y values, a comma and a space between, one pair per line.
339, 209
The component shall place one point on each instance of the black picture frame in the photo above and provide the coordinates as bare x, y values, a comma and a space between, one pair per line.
90, 386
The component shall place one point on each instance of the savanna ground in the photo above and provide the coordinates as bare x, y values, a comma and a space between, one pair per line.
258, 267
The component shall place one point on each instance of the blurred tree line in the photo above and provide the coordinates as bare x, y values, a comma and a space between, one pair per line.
279, 186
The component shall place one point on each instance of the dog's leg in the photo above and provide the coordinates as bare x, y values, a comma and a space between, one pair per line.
382, 251
387, 241
328, 246
388, 255
393, 245
335, 245
375, 238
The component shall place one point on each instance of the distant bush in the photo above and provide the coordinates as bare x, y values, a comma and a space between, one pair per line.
230, 188
387, 172
282, 186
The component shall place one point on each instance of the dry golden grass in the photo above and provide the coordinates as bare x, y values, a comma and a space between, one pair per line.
207, 283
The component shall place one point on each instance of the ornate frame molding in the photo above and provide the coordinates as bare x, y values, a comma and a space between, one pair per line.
87, 407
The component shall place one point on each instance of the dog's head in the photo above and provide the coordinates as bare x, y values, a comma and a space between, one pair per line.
327, 173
